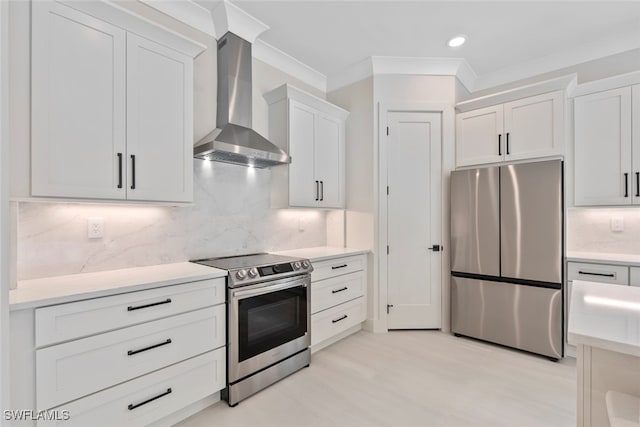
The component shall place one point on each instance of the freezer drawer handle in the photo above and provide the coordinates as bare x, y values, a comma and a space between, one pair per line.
335, 291
335, 267
151, 347
588, 273
153, 304
131, 406
339, 319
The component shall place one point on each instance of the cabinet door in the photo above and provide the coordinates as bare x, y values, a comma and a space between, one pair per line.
635, 143
534, 126
303, 189
603, 148
479, 136
78, 104
159, 122
329, 160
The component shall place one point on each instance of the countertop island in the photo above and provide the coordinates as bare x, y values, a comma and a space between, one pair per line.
604, 324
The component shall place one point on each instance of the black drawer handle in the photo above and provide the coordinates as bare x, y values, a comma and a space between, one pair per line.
339, 319
153, 304
335, 267
131, 406
335, 291
588, 273
132, 352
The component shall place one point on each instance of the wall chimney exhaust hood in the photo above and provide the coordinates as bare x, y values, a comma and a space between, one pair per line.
234, 141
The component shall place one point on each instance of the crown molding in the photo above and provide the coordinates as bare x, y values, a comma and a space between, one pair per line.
606, 46
188, 12
288, 64
380, 65
609, 83
229, 17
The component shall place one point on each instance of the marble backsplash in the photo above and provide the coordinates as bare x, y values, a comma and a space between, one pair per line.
231, 214
589, 230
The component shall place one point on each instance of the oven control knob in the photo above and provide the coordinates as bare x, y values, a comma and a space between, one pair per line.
297, 265
253, 272
241, 274
305, 264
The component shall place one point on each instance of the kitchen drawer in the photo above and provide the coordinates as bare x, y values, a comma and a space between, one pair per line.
336, 290
614, 274
336, 267
331, 322
65, 322
189, 381
634, 276
68, 371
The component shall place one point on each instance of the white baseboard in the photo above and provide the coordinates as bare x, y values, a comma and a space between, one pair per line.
187, 411
336, 338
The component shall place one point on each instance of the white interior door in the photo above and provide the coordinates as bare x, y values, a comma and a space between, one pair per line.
413, 220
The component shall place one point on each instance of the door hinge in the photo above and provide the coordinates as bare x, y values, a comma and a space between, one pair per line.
387, 130
388, 307
387, 249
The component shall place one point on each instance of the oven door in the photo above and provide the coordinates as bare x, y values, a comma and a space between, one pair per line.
267, 323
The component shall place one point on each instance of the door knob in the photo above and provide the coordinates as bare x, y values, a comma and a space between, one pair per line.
436, 248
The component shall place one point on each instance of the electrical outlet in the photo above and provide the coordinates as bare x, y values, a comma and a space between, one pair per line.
617, 224
95, 228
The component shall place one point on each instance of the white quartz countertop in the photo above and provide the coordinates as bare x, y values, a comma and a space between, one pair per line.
604, 258
62, 289
322, 252
605, 316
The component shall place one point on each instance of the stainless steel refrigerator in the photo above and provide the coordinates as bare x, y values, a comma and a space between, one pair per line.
506, 255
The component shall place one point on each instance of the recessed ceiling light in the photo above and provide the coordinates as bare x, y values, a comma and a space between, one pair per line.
457, 41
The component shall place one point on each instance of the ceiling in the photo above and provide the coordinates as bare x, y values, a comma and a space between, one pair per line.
330, 36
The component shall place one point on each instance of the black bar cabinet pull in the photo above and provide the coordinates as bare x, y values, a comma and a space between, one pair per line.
119, 170
153, 304
317, 190
133, 172
335, 267
499, 144
339, 319
637, 184
151, 347
626, 184
335, 291
131, 406
588, 273
321, 190
507, 142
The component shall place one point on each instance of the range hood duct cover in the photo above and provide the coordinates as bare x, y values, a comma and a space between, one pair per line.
234, 141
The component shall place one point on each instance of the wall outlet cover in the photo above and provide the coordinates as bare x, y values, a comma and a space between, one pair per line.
95, 228
617, 224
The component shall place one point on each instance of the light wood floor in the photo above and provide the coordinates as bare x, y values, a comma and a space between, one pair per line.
411, 378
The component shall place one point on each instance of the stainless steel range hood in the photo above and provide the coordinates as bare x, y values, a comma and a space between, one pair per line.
234, 141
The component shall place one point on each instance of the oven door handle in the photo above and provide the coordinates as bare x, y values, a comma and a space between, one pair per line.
268, 289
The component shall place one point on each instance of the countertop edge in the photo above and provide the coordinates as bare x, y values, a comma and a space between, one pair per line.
28, 298
322, 253
604, 344
604, 258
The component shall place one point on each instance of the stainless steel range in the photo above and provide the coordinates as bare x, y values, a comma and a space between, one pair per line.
268, 317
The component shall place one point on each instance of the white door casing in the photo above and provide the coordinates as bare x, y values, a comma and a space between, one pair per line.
414, 220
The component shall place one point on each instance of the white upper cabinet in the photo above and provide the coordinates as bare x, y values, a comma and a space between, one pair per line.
78, 104
312, 131
606, 158
479, 136
112, 112
527, 128
159, 122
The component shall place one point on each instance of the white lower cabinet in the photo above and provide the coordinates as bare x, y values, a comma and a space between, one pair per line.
71, 370
127, 359
148, 398
338, 298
